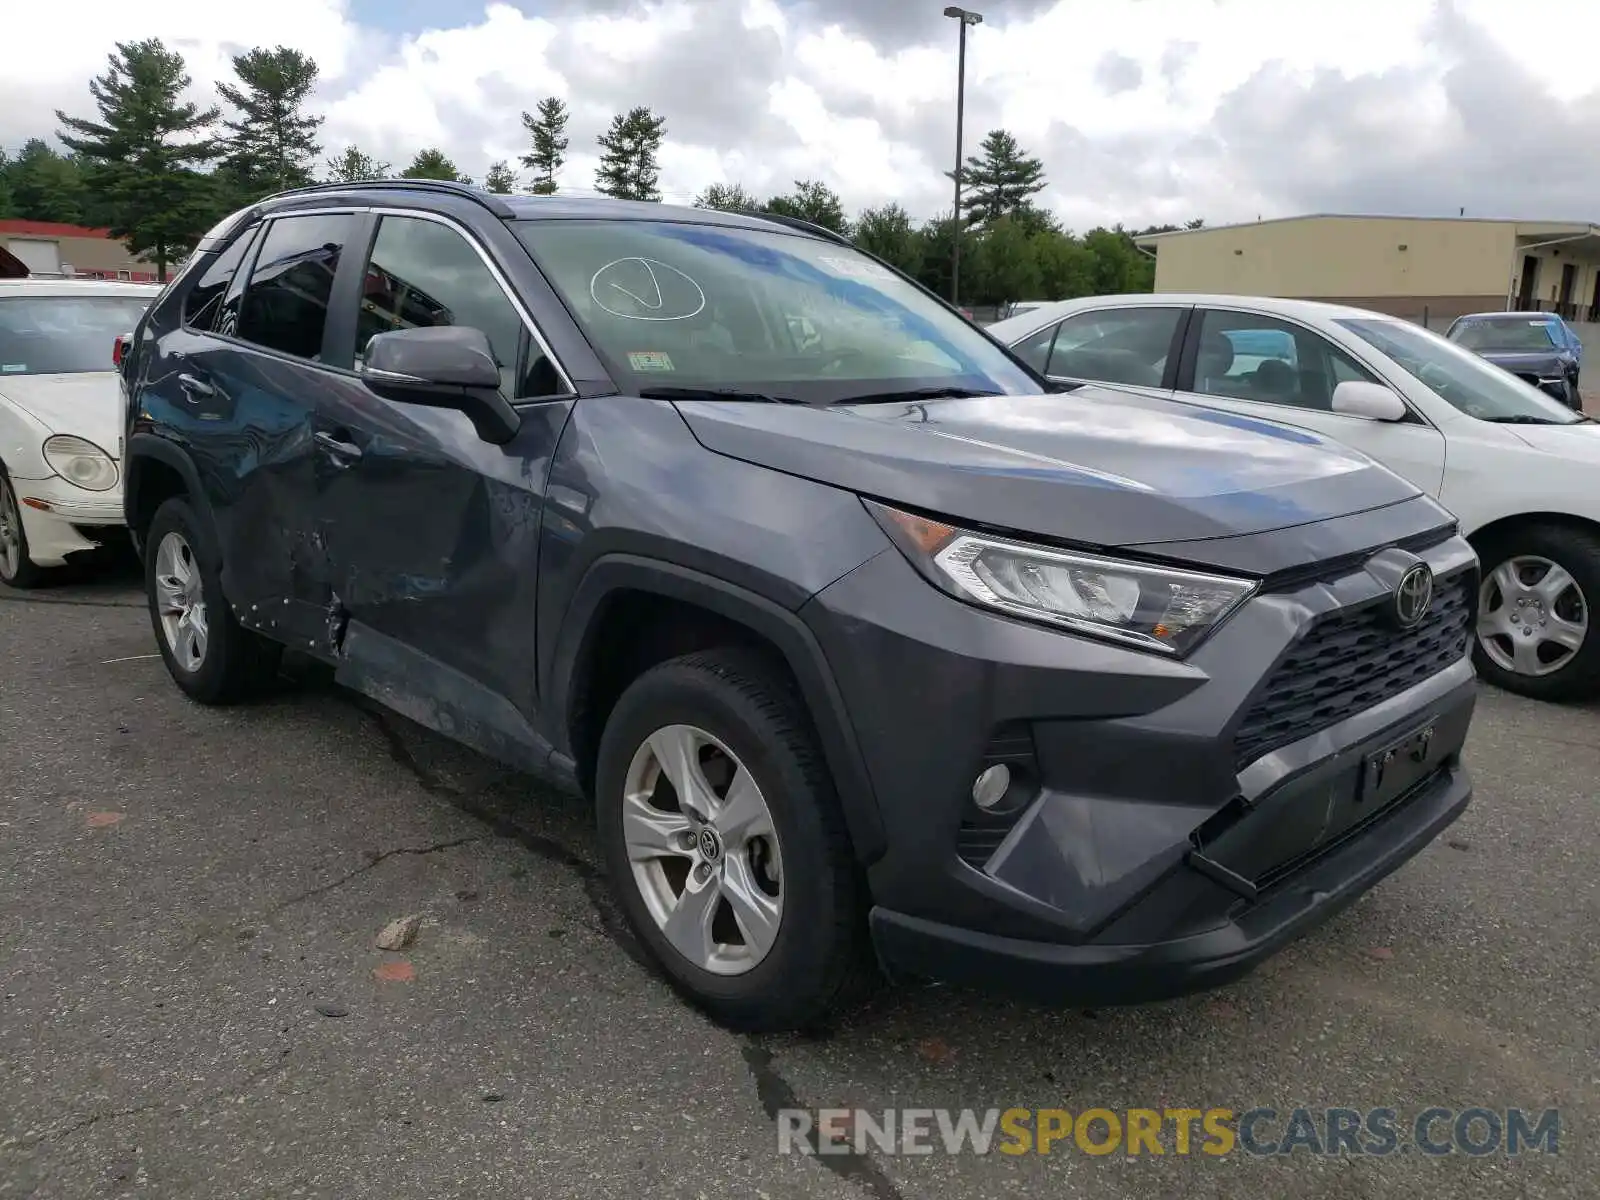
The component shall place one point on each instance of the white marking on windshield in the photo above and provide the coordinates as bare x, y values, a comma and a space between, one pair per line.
623, 277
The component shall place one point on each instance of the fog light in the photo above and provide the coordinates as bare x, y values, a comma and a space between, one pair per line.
989, 788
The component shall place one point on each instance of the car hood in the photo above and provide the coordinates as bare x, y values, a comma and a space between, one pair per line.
1090, 466
1579, 441
86, 403
1526, 360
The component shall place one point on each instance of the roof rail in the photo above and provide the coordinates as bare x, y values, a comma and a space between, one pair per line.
467, 191
832, 235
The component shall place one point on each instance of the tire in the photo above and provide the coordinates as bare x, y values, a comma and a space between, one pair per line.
817, 960
1543, 607
233, 663
16, 568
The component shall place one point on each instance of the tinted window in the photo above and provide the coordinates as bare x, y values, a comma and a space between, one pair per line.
1250, 357
285, 305
1116, 345
60, 335
683, 304
424, 273
205, 299
1035, 349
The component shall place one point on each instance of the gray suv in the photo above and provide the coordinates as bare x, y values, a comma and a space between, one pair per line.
872, 648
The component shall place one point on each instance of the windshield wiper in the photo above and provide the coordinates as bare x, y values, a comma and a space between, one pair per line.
713, 393
923, 393
1524, 419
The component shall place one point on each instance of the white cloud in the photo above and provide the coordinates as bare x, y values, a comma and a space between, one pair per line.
1192, 122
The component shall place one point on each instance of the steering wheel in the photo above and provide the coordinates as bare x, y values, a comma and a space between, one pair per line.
838, 359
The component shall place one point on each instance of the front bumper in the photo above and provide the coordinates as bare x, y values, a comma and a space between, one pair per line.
1157, 844
61, 520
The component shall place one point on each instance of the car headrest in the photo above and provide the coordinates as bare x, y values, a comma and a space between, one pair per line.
1216, 354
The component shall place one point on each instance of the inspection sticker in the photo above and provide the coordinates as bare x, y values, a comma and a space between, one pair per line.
852, 268
650, 360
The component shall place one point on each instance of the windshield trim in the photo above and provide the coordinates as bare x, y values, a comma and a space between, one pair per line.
627, 380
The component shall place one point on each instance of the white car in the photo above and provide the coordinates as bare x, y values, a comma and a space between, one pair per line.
60, 418
1520, 470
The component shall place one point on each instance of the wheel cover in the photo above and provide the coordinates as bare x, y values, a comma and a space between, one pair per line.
10, 531
180, 601
703, 849
1532, 616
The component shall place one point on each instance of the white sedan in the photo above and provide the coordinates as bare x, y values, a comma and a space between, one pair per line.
1520, 470
60, 418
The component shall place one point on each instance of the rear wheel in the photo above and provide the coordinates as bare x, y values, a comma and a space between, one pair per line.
16, 568
724, 841
1538, 633
208, 653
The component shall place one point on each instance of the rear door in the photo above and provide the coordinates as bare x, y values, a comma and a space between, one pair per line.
433, 532
1282, 371
237, 384
1134, 347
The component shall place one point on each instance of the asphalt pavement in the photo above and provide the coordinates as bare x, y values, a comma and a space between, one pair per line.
193, 1004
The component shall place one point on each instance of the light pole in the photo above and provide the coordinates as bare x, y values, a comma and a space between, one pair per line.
965, 18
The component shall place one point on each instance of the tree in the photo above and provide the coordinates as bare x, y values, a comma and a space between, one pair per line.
814, 201
1118, 264
727, 197
629, 169
7, 204
353, 166
1006, 267
938, 238
549, 133
887, 232
142, 153
273, 141
1001, 181
501, 178
1066, 266
432, 164
46, 186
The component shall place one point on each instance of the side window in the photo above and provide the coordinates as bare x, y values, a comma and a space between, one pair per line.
1246, 356
201, 306
285, 304
1035, 349
424, 273
1116, 345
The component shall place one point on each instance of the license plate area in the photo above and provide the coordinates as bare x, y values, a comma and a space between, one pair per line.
1388, 773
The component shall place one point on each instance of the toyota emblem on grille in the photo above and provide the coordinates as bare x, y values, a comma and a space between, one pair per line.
1413, 595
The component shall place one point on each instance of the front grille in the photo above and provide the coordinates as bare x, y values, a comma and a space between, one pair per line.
1349, 661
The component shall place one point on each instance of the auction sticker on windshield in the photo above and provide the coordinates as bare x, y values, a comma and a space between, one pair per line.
856, 268
650, 360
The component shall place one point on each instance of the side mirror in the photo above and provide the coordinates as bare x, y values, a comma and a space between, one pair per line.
1371, 400
442, 366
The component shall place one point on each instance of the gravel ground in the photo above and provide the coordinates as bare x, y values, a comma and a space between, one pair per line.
193, 1004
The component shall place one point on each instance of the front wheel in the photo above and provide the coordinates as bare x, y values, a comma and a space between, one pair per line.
16, 568
725, 843
1538, 634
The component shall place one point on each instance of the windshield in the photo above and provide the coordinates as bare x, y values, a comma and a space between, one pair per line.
61, 335
1506, 333
686, 306
1474, 385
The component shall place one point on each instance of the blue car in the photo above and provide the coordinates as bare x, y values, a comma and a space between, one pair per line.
1537, 347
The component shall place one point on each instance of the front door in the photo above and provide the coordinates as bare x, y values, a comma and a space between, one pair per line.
1281, 371
432, 532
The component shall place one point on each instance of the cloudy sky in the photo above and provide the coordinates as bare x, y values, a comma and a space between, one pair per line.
1142, 110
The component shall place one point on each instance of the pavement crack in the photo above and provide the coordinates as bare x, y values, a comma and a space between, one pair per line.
323, 889
776, 1094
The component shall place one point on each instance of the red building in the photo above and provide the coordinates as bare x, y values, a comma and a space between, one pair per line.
51, 248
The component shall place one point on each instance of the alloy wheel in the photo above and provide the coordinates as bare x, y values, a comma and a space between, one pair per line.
1532, 615
10, 531
180, 601
703, 849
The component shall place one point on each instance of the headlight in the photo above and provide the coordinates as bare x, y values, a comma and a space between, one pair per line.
1155, 608
80, 462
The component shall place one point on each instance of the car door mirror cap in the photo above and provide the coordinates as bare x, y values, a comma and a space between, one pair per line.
442, 366
1358, 398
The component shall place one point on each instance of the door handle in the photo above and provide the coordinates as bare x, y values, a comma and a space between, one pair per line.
339, 449
196, 386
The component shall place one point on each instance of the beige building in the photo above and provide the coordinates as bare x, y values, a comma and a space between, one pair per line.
1420, 268
49, 248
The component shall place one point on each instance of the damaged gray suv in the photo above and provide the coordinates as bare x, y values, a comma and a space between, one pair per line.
871, 648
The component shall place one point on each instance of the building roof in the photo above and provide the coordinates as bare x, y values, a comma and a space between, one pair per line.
1523, 227
51, 229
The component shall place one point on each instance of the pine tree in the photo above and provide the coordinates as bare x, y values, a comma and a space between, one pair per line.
814, 201
549, 133
1001, 181
46, 186
887, 233
273, 142
432, 164
629, 169
727, 197
353, 166
7, 203
501, 178
141, 155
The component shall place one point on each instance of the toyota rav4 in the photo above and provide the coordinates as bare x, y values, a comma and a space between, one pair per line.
871, 647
